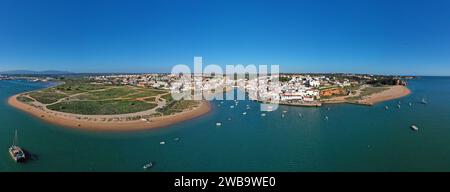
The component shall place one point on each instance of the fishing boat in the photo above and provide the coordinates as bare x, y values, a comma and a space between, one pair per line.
414, 128
15, 151
423, 101
148, 165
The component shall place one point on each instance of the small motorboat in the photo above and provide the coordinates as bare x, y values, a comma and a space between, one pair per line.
162, 142
386, 107
218, 124
244, 113
282, 115
300, 115
263, 114
148, 165
423, 101
326, 118
232, 106
414, 128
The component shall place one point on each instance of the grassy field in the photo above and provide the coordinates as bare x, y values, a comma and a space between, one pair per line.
372, 90
47, 96
177, 106
102, 107
366, 92
82, 96
24, 99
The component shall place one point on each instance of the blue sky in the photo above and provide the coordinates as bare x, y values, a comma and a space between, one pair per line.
358, 36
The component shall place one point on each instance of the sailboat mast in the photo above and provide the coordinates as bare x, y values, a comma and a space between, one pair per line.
15, 138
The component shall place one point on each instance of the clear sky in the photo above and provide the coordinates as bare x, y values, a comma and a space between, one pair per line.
360, 36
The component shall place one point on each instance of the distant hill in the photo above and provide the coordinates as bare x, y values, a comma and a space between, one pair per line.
28, 72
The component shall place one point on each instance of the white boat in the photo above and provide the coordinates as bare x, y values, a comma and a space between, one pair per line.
148, 165
414, 128
244, 113
300, 115
17, 154
386, 107
410, 104
326, 118
284, 111
232, 106
423, 101
398, 106
176, 139
263, 114
162, 142
282, 115
218, 124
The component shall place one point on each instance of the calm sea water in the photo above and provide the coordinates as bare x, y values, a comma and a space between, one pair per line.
355, 138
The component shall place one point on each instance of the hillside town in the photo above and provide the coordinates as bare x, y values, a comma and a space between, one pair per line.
295, 89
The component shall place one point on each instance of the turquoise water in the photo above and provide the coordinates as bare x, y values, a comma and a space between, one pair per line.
355, 138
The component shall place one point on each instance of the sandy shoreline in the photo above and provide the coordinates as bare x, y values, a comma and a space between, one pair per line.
393, 92
72, 122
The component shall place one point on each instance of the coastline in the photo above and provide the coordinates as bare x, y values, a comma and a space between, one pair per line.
71, 121
394, 92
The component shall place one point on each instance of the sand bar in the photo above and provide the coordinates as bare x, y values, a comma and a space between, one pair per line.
394, 92
71, 120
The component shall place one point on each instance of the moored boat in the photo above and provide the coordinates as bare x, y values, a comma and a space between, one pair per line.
148, 165
17, 154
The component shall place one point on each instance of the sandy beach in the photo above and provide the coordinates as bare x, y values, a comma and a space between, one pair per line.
393, 92
71, 120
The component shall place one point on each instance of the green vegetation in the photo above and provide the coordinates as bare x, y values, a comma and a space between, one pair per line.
372, 90
47, 96
177, 106
102, 107
110, 93
74, 86
366, 92
83, 96
150, 99
24, 99
285, 79
167, 97
146, 93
